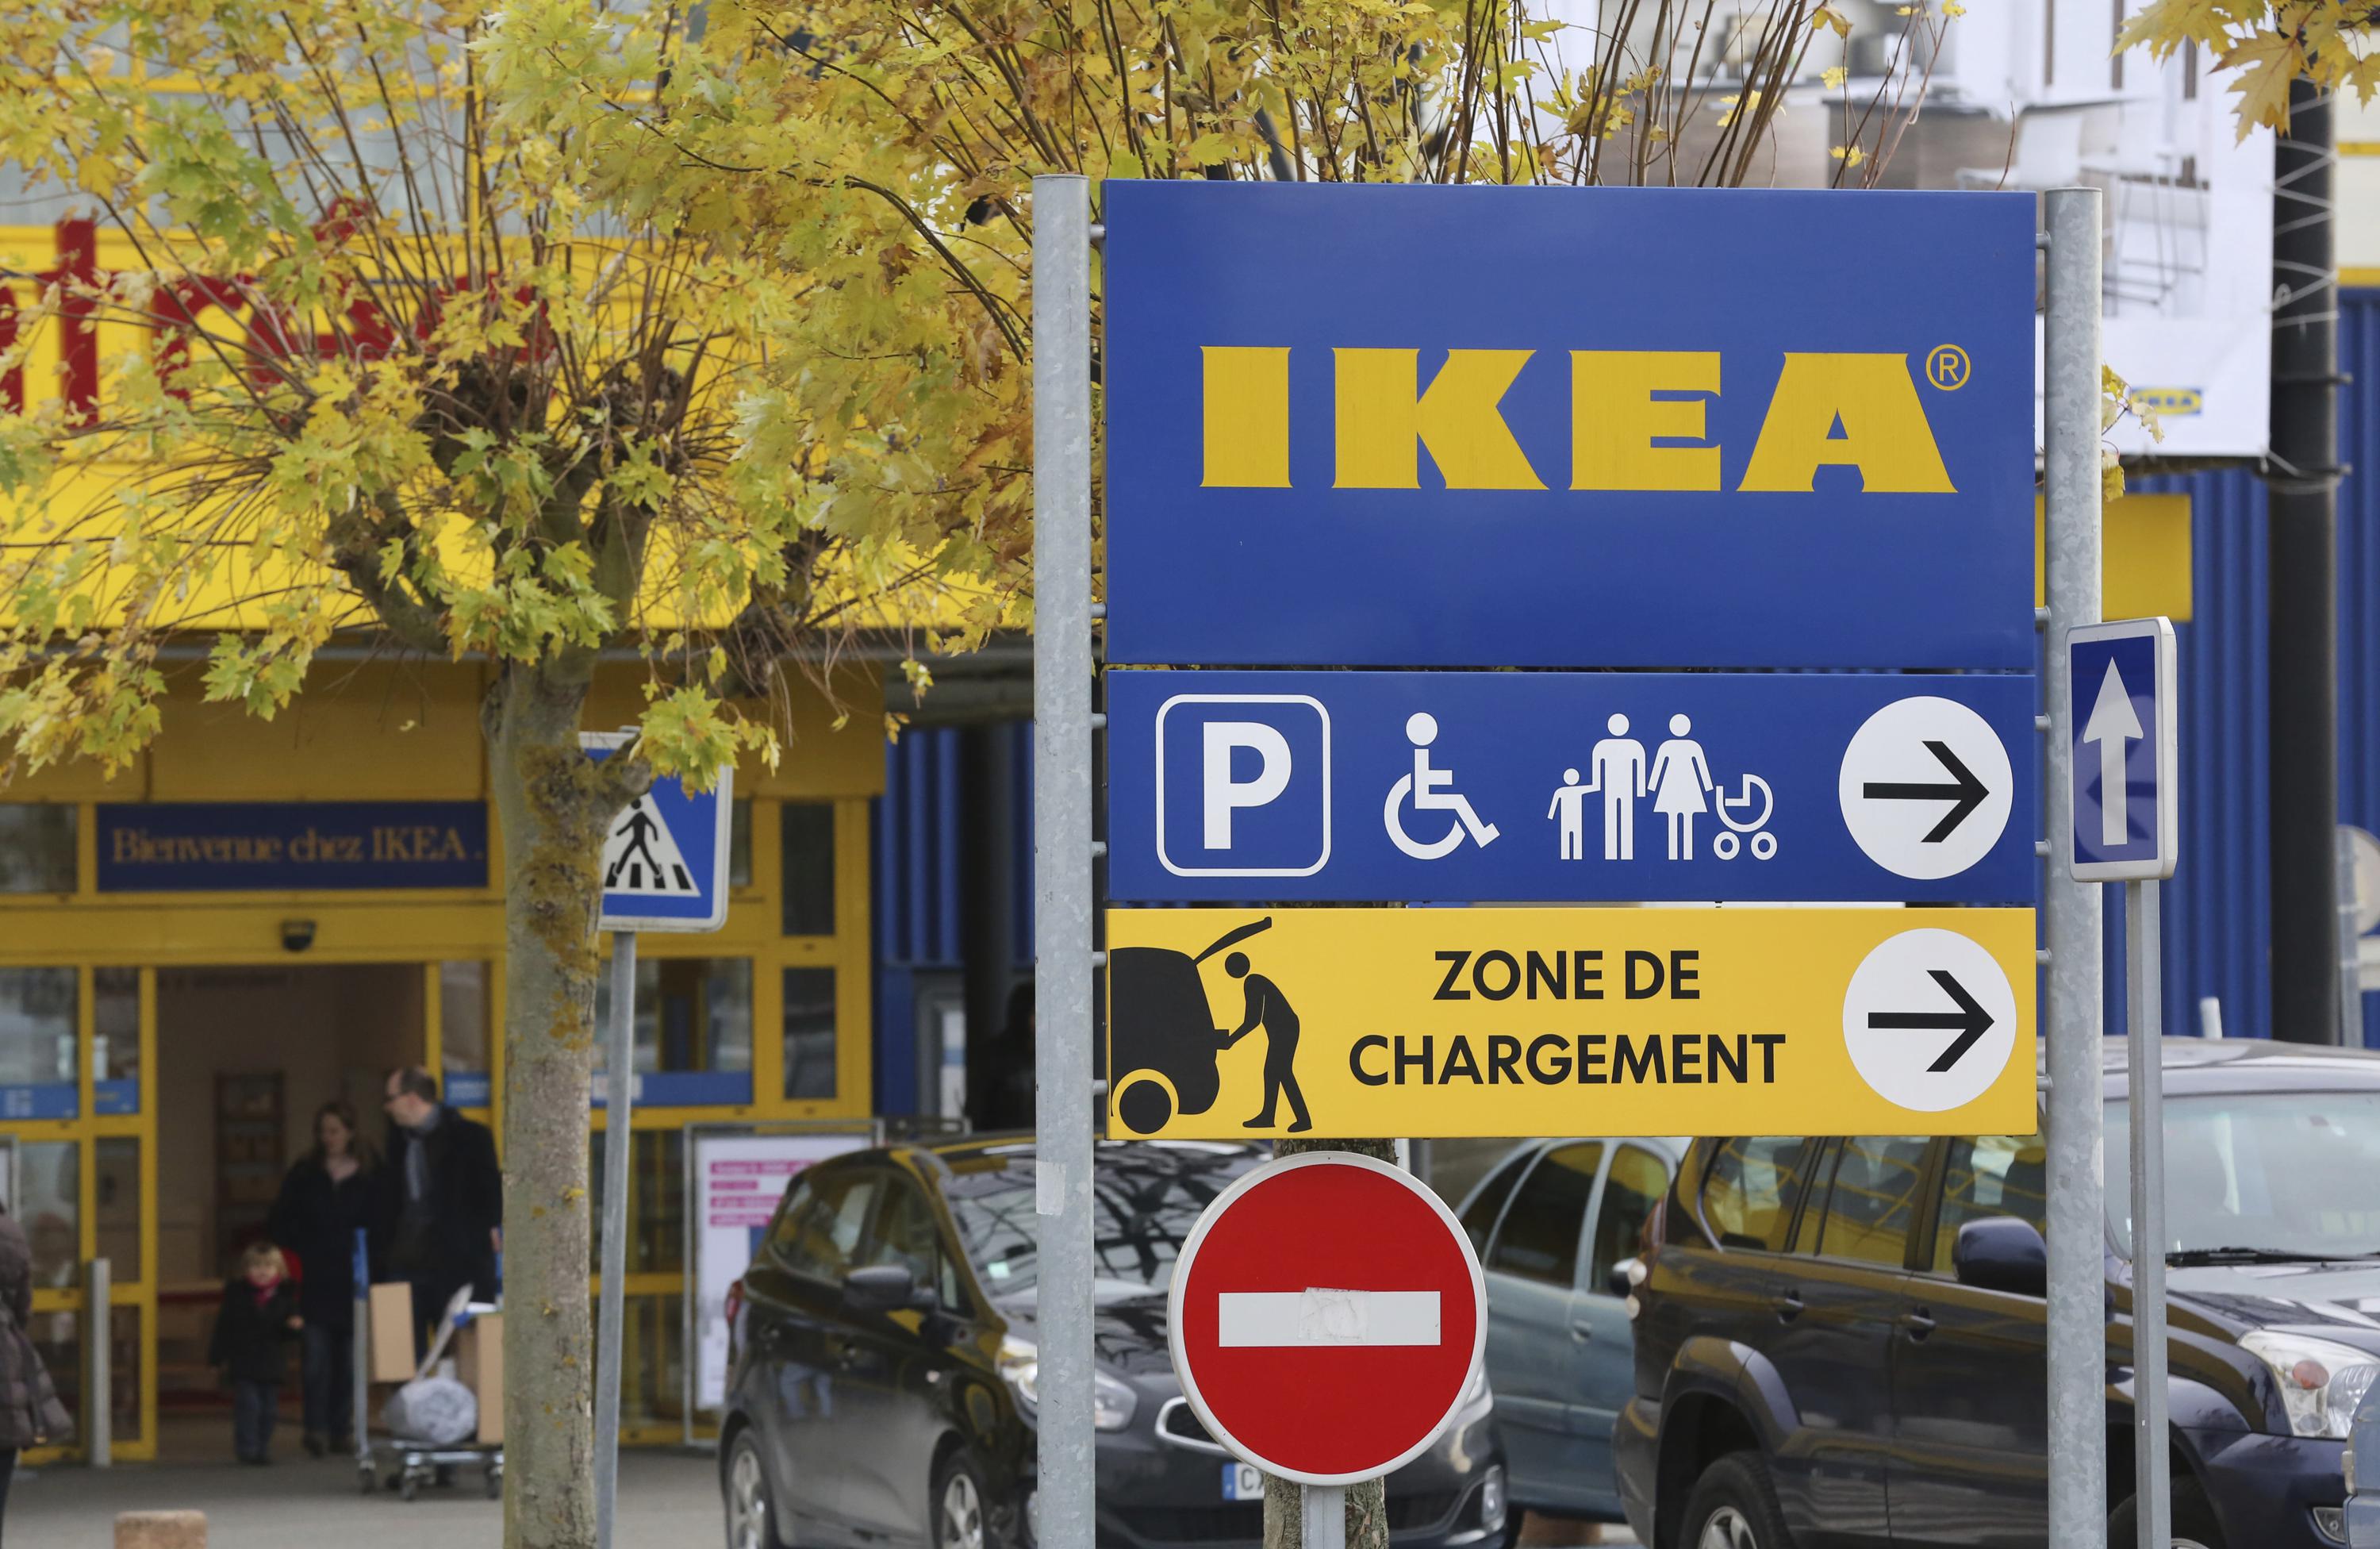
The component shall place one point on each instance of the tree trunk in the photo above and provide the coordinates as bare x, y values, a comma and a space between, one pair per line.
1368, 1503
554, 805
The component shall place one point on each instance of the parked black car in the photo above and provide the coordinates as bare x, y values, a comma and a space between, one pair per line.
1840, 1342
880, 1387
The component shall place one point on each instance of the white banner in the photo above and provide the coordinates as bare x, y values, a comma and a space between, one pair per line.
2029, 95
738, 1179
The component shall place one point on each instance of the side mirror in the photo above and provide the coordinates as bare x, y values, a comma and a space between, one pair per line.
880, 1288
2001, 1253
1623, 1276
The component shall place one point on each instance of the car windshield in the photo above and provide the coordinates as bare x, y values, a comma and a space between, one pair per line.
1144, 1202
2287, 1173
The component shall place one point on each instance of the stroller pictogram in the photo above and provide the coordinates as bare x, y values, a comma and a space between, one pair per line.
1162, 1035
1731, 842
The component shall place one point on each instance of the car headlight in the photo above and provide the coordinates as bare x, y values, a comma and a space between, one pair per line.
1020, 1363
2321, 1383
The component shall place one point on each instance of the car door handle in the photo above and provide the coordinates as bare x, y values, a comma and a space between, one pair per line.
1789, 1306
1917, 1324
1581, 1331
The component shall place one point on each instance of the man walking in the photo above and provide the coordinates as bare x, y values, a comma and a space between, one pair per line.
443, 1216
1268, 1009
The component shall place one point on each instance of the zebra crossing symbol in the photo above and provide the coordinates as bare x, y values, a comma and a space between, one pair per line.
641, 858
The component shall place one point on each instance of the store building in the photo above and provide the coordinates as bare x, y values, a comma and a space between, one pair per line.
169, 1026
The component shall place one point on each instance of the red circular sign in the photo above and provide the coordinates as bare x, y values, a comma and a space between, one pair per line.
1327, 1317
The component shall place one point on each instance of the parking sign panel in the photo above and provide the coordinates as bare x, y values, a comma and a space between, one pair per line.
1385, 786
1321, 452
1242, 785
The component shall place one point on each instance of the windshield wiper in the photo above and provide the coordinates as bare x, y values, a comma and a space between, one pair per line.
2189, 1257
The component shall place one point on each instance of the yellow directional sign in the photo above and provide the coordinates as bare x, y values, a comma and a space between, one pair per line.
1233, 1023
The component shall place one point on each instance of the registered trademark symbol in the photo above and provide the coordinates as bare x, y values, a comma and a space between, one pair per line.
1947, 367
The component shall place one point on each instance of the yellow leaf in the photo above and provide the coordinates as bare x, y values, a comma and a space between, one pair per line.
1834, 76
2266, 62
1827, 15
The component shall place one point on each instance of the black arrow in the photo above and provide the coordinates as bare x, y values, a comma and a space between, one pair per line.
1970, 1021
1965, 792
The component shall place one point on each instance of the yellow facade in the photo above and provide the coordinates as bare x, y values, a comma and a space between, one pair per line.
170, 989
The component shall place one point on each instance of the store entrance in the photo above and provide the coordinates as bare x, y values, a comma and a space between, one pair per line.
246, 1056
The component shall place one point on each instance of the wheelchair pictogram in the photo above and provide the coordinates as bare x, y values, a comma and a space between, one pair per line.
1431, 790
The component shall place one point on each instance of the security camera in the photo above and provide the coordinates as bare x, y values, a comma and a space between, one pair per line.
297, 935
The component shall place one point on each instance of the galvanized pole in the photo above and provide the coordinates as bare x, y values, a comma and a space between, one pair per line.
2078, 1330
619, 1098
2350, 963
2152, 1461
1323, 1517
1062, 852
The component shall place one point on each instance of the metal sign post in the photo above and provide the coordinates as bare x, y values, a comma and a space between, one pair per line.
2124, 826
619, 1090
2078, 1334
2152, 1455
1061, 850
664, 869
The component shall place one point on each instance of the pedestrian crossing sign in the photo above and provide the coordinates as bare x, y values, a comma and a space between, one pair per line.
665, 857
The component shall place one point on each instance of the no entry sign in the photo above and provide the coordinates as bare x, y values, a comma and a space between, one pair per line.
1327, 1317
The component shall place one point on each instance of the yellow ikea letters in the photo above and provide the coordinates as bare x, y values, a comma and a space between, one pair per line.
1636, 417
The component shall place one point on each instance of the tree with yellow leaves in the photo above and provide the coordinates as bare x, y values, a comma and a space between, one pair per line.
524, 334
2267, 44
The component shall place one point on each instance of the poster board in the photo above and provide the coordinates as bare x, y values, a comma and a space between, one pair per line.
735, 1176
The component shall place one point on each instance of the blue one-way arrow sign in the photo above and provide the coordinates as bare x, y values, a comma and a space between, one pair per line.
2126, 817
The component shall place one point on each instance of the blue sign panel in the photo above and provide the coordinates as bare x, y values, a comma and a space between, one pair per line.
1406, 426
1360, 786
249, 846
665, 859
2126, 822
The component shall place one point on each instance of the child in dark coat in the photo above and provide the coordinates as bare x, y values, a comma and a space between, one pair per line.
251, 1344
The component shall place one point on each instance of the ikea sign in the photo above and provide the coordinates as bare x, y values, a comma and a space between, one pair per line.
1568, 427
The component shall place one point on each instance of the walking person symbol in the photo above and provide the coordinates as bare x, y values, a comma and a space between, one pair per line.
640, 828
1681, 779
1431, 792
1570, 806
1268, 1009
1616, 769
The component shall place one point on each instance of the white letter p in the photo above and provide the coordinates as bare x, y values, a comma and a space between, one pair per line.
1222, 792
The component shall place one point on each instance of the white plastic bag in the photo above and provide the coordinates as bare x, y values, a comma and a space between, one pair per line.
438, 1410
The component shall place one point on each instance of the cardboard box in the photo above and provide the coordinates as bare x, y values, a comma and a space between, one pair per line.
479, 1352
390, 1312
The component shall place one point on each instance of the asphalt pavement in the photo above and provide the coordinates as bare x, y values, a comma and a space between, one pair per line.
668, 1500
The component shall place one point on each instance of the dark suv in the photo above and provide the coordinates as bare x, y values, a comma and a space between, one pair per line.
1840, 1342
883, 1367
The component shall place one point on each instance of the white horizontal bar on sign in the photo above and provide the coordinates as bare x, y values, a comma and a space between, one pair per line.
1320, 1316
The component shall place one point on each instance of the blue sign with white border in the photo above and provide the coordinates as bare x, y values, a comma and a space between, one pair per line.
665, 859
1548, 787
1403, 426
2127, 817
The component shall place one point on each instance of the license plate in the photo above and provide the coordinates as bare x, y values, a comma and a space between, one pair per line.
1242, 1481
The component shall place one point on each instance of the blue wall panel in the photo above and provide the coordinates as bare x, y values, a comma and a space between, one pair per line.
917, 838
2218, 906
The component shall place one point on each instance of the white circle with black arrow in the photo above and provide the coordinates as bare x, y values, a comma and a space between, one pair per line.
1929, 1020
1925, 788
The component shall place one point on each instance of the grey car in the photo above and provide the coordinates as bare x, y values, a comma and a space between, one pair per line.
1550, 1222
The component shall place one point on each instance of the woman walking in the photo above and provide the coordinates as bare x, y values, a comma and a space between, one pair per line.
31, 1414
326, 1199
